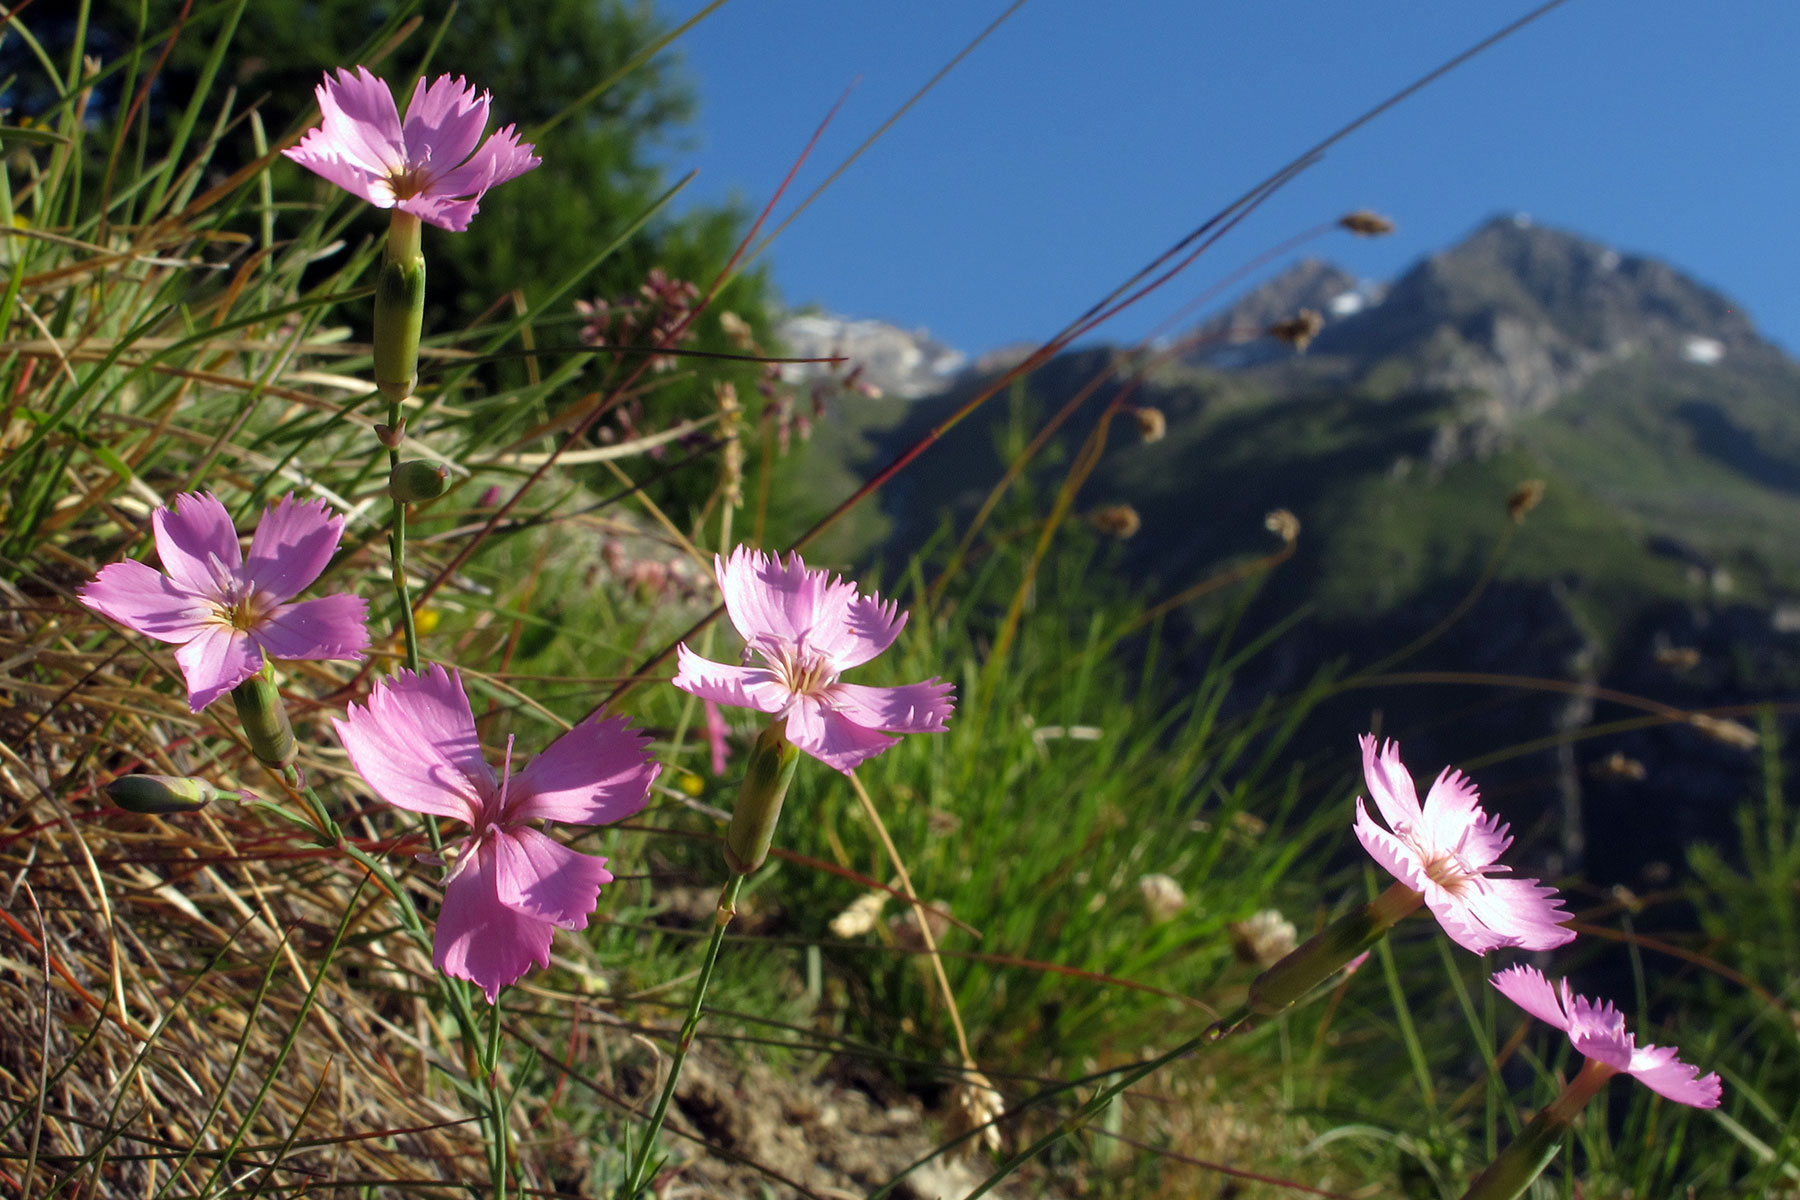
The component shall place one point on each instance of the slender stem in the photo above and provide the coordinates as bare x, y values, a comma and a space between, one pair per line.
496, 1105
635, 1180
920, 915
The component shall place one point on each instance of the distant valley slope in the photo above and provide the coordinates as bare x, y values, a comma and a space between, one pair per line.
1663, 560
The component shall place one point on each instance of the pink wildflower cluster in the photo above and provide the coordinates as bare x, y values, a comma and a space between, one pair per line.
660, 317
1447, 850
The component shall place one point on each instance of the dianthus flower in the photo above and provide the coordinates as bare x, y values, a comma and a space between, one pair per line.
511, 887
1597, 1031
429, 166
809, 627
1447, 851
225, 612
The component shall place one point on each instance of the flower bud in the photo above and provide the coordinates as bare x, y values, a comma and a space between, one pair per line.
265, 720
415, 480
399, 308
161, 794
766, 780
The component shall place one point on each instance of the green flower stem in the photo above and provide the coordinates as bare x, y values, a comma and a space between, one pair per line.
1524, 1160
399, 318
1326, 952
496, 1106
638, 1177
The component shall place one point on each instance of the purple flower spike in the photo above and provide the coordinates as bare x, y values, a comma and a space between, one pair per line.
1446, 851
226, 612
809, 627
1597, 1031
511, 887
430, 165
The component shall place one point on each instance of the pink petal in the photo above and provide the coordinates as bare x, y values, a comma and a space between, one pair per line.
546, 880
145, 600
745, 687
867, 627
317, 154
1389, 851
1597, 1030
443, 211
293, 544
912, 708
197, 544
333, 626
1657, 1068
359, 122
767, 599
1527, 988
444, 122
215, 661
1453, 916
501, 157
1453, 820
416, 745
1520, 911
592, 775
1390, 785
482, 940
831, 737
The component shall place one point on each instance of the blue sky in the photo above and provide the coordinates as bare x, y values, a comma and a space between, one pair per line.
1083, 137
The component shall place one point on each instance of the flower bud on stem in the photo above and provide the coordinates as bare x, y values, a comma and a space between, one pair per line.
1330, 949
265, 720
766, 780
1524, 1160
161, 794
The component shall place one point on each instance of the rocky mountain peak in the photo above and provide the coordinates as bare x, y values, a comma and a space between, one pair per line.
1523, 314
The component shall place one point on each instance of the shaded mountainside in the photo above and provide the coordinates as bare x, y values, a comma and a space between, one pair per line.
1661, 560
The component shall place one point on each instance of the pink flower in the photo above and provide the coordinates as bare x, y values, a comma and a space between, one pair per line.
1447, 852
429, 166
511, 886
1597, 1031
810, 627
716, 736
226, 612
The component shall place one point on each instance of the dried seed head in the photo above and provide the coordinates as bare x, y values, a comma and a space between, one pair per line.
1524, 498
1364, 223
1151, 423
1263, 939
1617, 766
905, 926
737, 330
1300, 329
1283, 524
1731, 733
975, 1104
860, 917
1680, 658
1116, 520
1162, 896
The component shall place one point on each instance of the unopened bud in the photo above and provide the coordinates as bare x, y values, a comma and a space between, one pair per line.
1364, 223
161, 794
1524, 498
415, 480
265, 720
1300, 329
766, 780
1151, 423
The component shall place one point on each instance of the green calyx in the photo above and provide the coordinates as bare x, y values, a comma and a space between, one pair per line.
1329, 950
160, 794
415, 480
265, 720
766, 780
399, 309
